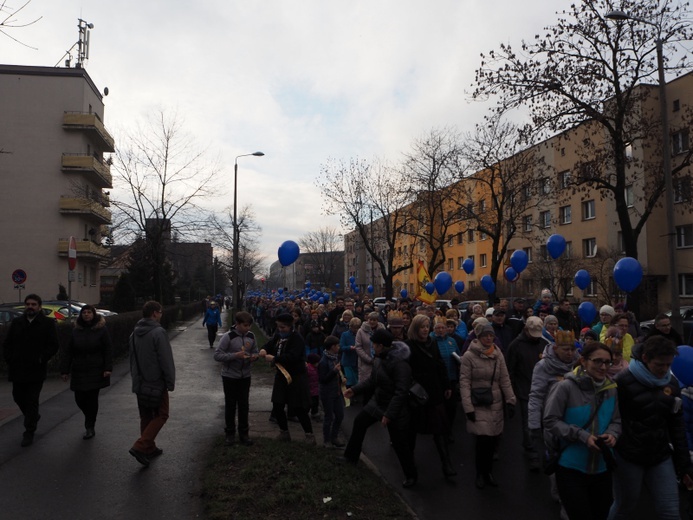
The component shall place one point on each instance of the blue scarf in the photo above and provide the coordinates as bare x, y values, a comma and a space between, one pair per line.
647, 378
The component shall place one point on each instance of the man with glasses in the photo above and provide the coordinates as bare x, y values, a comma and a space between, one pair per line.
662, 327
31, 341
621, 322
151, 360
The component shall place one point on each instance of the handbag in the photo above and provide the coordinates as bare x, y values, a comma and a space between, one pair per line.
150, 393
483, 396
418, 395
554, 450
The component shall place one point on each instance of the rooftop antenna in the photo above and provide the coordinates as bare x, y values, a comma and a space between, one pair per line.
83, 42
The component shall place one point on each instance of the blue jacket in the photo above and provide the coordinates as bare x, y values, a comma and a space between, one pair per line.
349, 357
446, 346
212, 317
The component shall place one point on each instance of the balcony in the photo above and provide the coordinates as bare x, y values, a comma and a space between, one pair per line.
90, 123
86, 249
91, 209
97, 172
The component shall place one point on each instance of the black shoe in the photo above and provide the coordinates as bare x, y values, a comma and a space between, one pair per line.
245, 441
154, 454
89, 434
141, 457
480, 481
27, 439
490, 480
230, 439
337, 443
343, 460
409, 482
448, 470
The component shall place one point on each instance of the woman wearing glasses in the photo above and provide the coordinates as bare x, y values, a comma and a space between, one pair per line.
581, 419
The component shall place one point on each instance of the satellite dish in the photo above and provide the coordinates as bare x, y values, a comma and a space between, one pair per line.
105, 91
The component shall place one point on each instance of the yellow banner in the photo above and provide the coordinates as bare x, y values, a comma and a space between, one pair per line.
423, 278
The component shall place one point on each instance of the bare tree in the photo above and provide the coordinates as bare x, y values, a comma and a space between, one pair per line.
8, 21
587, 70
369, 198
501, 196
250, 260
324, 251
432, 170
161, 174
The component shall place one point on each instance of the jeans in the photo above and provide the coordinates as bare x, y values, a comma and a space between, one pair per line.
334, 415
212, 333
584, 497
301, 413
659, 479
88, 402
236, 394
151, 422
26, 395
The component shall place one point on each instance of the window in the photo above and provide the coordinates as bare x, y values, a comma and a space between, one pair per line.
460, 261
422, 245
676, 105
543, 252
679, 141
405, 249
564, 179
470, 236
684, 236
591, 289
545, 219
450, 240
619, 243
682, 189
628, 152
588, 210
460, 236
528, 285
472, 284
527, 192
628, 195
562, 152
545, 186
527, 223
686, 284
528, 252
589, 247
482, 206
451, 264
566, 214
568, 250
588, 171
482, 259
483, 236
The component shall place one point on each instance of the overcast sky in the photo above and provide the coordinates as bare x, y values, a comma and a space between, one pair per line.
302, 81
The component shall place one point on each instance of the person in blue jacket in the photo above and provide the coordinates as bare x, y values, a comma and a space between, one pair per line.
450, 354
212, 320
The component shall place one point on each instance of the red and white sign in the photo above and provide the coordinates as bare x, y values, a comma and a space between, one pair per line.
72, 254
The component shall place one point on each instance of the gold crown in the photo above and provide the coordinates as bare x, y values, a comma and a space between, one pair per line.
565, 337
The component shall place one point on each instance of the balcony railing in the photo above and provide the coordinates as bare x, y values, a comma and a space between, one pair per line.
91, 122
84, 206
85, 249
88, 163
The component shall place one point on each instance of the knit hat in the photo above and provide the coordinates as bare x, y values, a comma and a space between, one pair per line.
607, 309
489, 311
534, 326
479, 324
382, 337
486, 329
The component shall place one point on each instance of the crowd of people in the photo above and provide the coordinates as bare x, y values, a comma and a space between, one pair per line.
601, 411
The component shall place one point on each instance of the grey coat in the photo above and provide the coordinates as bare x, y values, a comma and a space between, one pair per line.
149, 342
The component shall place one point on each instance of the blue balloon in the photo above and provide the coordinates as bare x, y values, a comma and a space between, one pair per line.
587, 312
628, 274
430, 288
459, 287
582, 279
336, 285
280, 290
356, 289
308, 285
442, 282
281, 299
352, 279
488, 284
555, 245
682, 367
403, 293
511, 275
370, 289
321, 300
519, 260
468, 266
288, 252
334, 293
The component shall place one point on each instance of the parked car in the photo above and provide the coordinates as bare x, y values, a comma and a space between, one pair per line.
64, 303
57, 311
463, 306
686, 315
380, 302
7, 314
443, 303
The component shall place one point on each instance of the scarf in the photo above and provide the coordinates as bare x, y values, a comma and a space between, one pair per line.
488, 352
647, 378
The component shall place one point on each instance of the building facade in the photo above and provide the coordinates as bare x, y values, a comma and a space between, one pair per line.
55, 179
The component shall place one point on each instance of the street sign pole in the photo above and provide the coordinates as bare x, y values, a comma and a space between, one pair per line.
18, 278
71, 264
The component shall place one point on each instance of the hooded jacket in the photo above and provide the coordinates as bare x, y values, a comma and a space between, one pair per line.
568, 407
548, 371
88, 355
230, 345
363, 349
389, 381
149, 342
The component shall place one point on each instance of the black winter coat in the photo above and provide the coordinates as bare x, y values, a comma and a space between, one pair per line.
428, 369
524, 352
28, 346
650, 422
87, 356
290, 353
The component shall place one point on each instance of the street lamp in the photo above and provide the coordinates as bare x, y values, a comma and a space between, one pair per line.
236, 233
666, 166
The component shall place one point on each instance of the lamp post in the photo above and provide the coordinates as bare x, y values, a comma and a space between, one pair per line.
236, 233
666, 166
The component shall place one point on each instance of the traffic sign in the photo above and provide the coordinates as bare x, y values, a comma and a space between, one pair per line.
72, 254
19, 276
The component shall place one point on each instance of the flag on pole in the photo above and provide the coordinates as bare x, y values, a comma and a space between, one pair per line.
422, 279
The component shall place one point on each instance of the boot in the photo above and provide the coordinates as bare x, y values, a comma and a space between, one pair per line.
310, 439
444, 453
284, 435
